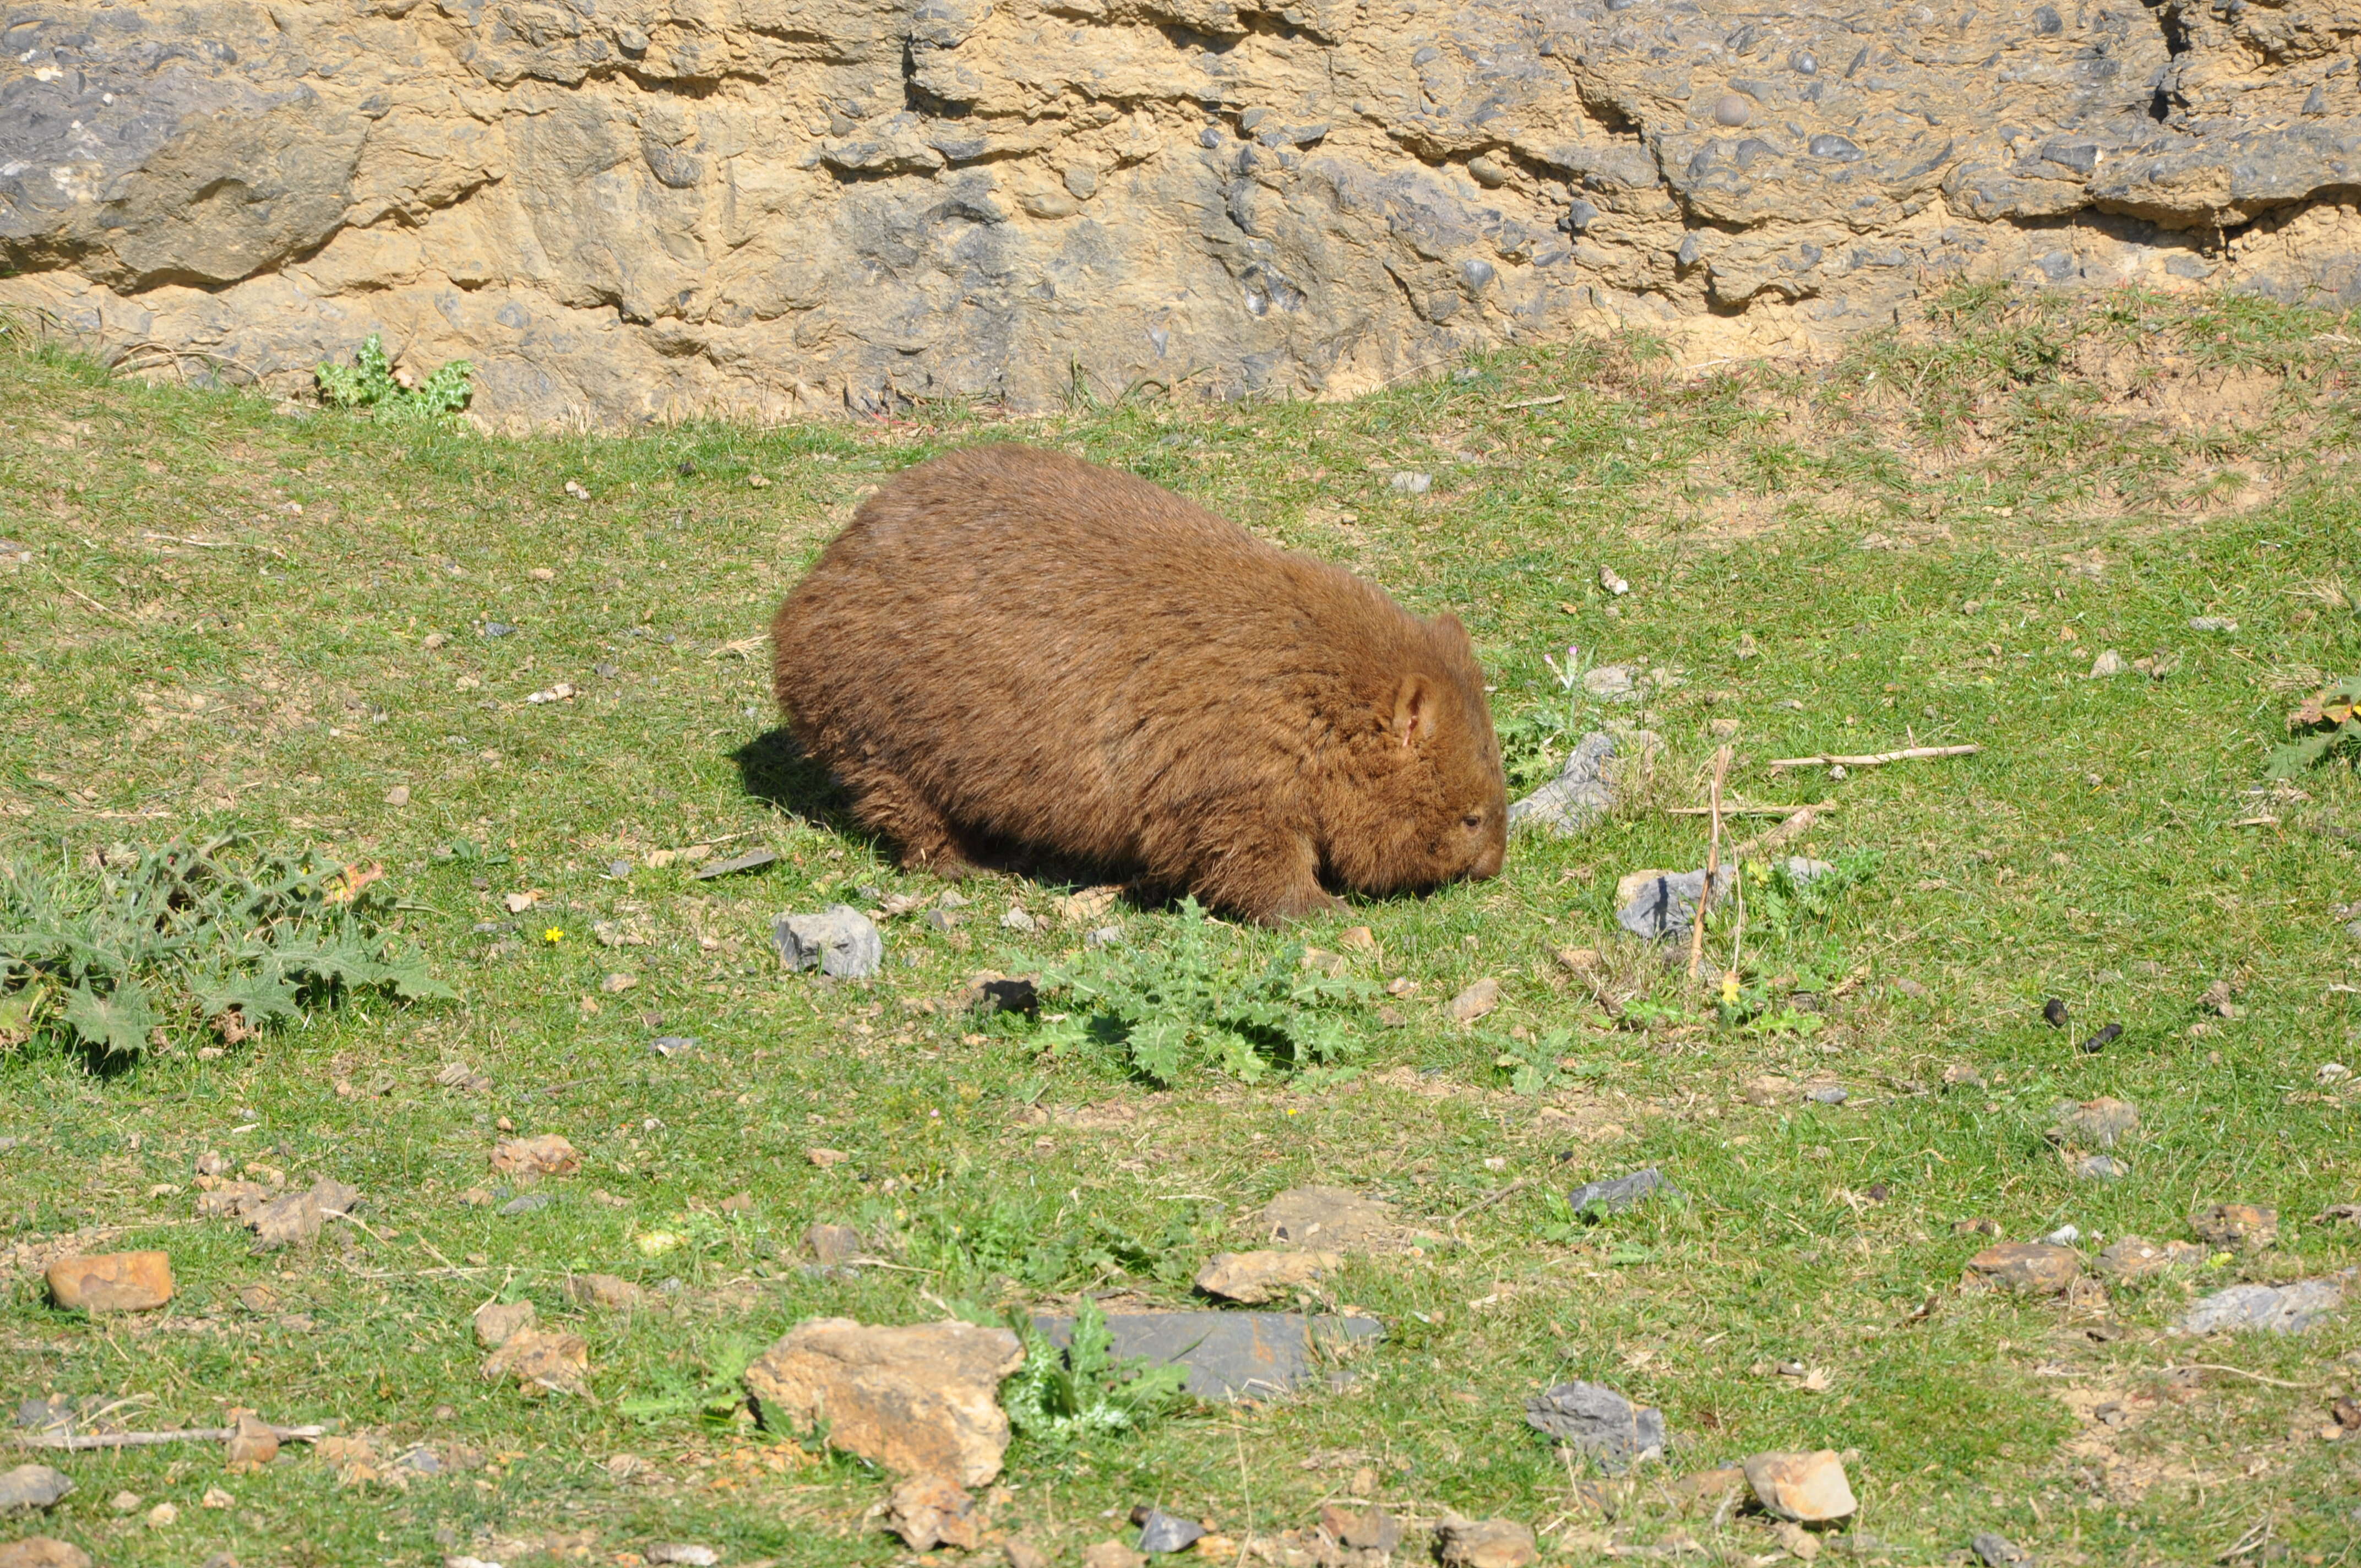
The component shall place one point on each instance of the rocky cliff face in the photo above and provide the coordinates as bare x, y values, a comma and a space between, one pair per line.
631, 209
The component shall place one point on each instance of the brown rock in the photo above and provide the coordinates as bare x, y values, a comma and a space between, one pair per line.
2101, 1123
527, 1160
1806, 1488
42, 1552
1369, 1529
252, 1444
1484, 1543
293, 1219
1360, 938
1022, 1553
232, 1200
1476, 1000
1257, 1277
919, 1400
2131, 1258
831, 1244
2241, 1225
1111, 1554
112, 1282
542, 1363
2027, 1266
926, 1512
496, 1322
606, 1291
1975, 1227
1770, 1089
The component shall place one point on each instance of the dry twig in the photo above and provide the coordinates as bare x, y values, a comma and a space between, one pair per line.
1712, 864
81, 1443
1876, 759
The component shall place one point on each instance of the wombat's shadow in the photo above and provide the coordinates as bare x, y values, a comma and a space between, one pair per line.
774, 768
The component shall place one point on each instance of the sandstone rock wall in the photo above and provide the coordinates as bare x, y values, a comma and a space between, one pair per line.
623, 210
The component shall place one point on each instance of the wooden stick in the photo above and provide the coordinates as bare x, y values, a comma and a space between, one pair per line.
81, 1442
1712, 864
1536, 402
1730, 810
2236, 1372
1877, 759
1786, 832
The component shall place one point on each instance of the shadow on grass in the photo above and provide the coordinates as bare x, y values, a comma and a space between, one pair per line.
773, 768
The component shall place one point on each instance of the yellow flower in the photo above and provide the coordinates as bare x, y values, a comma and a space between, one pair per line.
1730, 987
555, 934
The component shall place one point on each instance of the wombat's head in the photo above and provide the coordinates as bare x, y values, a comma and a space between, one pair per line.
1427, 803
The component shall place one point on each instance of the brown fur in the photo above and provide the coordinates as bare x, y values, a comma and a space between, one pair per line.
1008, 646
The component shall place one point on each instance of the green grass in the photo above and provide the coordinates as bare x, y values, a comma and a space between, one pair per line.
1926, 543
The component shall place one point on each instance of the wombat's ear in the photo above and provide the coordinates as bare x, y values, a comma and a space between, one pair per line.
1447, 627
1416, 701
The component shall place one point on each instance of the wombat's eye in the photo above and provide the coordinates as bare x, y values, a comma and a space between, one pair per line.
1472, 819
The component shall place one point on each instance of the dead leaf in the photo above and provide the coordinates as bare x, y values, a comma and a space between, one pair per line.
1088, 905
826, 1157
252, 1444
346, 885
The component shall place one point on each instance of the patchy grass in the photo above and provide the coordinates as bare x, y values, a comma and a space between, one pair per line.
231, 620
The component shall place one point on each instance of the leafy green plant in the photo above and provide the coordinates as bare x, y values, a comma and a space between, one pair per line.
1536, 740
1037, 1240
370, 383
713, 1398
1060, 1399
1538, 1065
1163, 1010
183, 933
2325, 724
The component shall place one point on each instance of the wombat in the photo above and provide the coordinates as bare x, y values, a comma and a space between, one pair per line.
1010, 648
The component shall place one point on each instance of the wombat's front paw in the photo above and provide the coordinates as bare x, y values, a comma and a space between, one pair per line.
1310, 903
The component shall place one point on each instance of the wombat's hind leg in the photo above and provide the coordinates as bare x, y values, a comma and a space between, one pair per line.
1234, 861
924, 839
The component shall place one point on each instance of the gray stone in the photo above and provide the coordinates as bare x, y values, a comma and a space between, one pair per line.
1578, 797
1600, 1422
1613, 683
1991, 1550
528, 1203
1228, 1355
1829, 1094
30, 1486
2278, 1308
1666, 905
1614, 1195
1410, 484
840, 942
752, 860
1161, 1532
2100, 1168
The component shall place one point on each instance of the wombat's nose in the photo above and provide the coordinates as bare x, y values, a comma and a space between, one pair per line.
1487, 864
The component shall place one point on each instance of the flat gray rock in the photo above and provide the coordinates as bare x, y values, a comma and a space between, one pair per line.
839, 941
1666, 906
1578, 797
1230, 1355
1600, 1422
2275, 1309
29, 1486
1618, 1193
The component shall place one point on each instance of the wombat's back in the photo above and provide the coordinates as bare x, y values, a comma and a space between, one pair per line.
1017, 644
